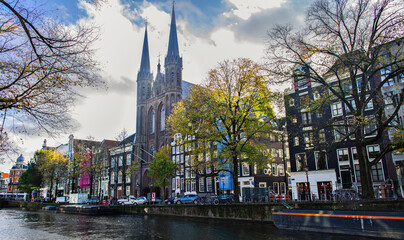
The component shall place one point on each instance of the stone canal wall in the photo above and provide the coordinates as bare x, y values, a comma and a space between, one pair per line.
249, 212
253, 211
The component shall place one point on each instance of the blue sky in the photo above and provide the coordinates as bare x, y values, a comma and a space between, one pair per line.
209, 31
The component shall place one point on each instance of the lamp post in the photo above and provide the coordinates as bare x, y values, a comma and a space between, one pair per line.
306, 169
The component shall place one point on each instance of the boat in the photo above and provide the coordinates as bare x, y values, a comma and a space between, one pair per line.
386, 224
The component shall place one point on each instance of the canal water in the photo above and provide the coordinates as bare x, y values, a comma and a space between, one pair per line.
17, 224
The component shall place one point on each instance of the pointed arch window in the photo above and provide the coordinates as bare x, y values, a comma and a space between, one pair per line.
163, 118
152, 121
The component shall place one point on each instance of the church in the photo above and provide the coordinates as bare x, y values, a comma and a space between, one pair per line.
156, 97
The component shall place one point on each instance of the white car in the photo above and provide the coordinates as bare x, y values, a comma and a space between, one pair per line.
141, 200
126, 200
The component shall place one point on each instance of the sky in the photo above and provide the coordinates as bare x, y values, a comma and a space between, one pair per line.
209, 31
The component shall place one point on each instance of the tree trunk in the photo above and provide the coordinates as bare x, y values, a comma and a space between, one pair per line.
235, 179
365, 173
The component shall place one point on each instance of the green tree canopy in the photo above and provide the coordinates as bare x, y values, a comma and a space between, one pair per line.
231, 109
30, 179
161, 168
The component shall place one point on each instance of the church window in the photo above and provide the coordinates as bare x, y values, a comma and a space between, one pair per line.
152, 121
172, 76
163, 118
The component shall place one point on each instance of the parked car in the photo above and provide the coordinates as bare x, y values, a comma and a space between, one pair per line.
126, 200
62, 199
188, 198
226, 198
170, 200
93, 201
140, 200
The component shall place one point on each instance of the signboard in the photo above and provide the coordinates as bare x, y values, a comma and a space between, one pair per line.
153, 196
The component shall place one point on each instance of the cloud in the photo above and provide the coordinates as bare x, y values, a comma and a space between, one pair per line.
245, 9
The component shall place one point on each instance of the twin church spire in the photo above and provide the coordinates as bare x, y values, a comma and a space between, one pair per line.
172, 52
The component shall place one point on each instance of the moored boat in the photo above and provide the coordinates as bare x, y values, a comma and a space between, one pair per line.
387, 224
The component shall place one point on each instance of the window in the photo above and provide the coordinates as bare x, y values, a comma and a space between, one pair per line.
128, 159
373, 151
246, 169
369, 105
119, 177
283, 188
321, 135
201, 185
294, 119
296, 141
291, 102
276, 188
339, 131
209, 185
262, 185
342, 155
152, 121
383, 75
400, 78
336, 109
352, 103
187, 185
308, 139
370, 127
321, 160
377, 170
359, 84
274, 170
193, 185
163, 118
120, 160
302, 83
128, 178
300, 161
306, 118
281, 170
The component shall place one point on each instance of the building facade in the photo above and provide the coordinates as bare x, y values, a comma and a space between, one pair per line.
156, 97
322, 148
15, 173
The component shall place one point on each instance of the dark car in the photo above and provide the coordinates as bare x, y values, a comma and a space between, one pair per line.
189, 198
225, 199
170, 200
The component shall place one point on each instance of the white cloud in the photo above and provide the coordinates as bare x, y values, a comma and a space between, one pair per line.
244, 9
103, 113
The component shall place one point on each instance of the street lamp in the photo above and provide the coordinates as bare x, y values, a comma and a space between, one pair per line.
306, 169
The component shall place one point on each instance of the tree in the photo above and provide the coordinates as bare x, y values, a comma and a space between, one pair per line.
43, 64
122, 135
231, 109
30, 179
161, 168
53, 167
343, 48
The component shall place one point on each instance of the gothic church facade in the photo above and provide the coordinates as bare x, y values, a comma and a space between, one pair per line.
156, 96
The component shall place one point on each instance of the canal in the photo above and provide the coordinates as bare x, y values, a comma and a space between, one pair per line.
17, 224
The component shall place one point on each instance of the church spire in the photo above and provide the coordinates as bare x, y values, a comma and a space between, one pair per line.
145, 63
173, 41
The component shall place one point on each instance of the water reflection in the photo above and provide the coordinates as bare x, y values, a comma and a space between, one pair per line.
20, 225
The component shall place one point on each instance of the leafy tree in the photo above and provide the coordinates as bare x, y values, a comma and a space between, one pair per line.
30, 179
53, 167
43, 64
231, 109
344, 46
161, 168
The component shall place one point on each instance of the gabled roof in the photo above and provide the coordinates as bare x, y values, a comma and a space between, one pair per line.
128, 140
109, 143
